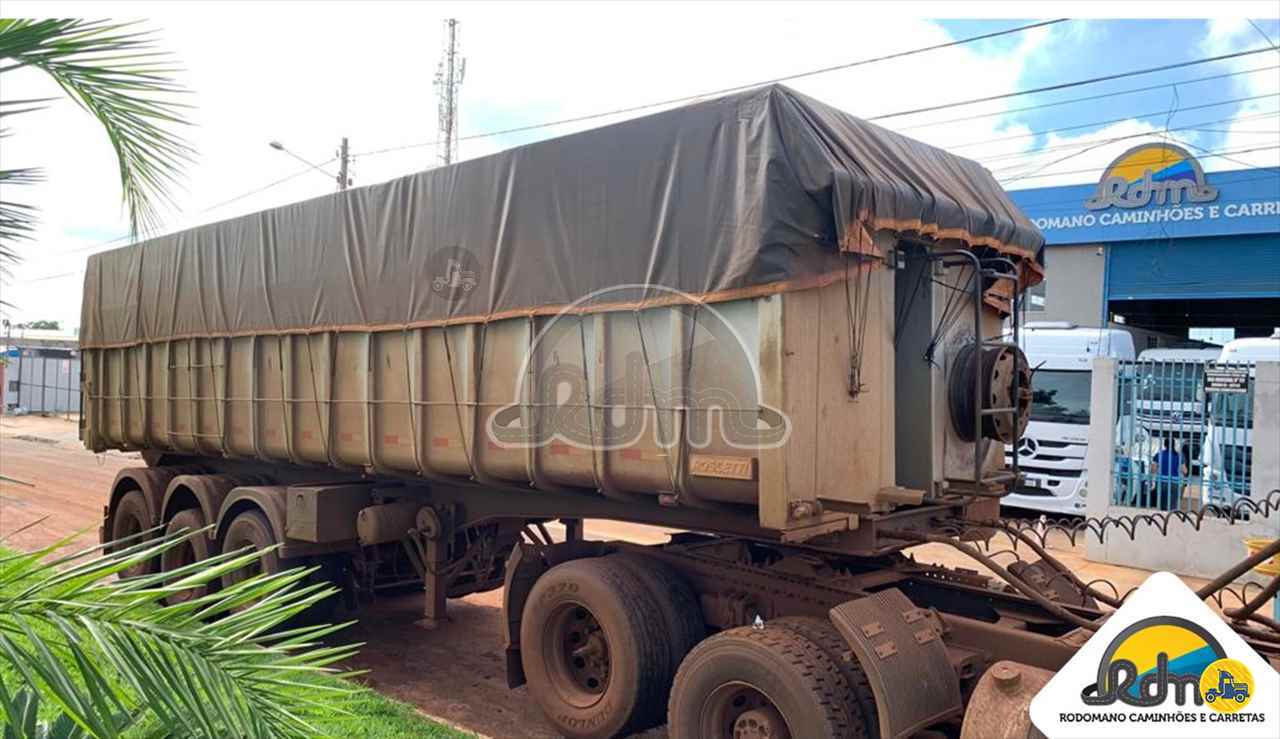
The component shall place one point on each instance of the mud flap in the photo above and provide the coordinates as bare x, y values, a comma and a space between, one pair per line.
900, 648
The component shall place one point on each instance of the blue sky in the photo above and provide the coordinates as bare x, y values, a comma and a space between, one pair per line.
1102, 47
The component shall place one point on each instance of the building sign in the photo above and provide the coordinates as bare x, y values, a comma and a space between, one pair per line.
1156, 191
1152, 173
1226, 379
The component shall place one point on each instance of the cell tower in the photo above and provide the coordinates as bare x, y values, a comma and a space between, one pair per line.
449, 76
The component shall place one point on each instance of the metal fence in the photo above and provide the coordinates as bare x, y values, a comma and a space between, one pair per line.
1183, 435
42, 382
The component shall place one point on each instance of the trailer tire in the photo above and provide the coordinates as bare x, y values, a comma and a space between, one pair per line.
607, 686
679, 609
129, 520
679, 606
250, 528
862, 700
194, 549
771, 679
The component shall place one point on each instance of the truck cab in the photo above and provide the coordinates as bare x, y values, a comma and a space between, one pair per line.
1052, 451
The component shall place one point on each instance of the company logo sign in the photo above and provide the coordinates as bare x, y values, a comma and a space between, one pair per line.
1152, 173
1164, 665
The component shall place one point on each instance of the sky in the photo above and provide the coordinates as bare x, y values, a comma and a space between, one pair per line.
307, 75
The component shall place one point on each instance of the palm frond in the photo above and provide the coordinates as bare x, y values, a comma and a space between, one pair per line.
110, 70
223, 664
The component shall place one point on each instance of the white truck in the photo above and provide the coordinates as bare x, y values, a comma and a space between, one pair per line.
1051, 454
1226, 456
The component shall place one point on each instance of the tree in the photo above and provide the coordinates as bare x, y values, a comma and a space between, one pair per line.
111, 656
114, 72
42, 325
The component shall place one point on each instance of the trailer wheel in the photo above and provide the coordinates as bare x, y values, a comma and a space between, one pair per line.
862, 700
757, 683
194, 549
250, 528
594, 650
129, 520
679, 609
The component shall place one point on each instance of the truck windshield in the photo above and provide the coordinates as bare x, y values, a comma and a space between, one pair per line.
1060, 396
1172, 382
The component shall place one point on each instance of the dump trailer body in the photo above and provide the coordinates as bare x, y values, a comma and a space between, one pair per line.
689, 309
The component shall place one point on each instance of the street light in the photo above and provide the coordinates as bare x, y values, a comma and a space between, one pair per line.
281, 147
340, 178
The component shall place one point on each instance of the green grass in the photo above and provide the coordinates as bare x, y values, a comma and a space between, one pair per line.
363, 715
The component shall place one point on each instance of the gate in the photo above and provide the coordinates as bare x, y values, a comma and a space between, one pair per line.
1181, 442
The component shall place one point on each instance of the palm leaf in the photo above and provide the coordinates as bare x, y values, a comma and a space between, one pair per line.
110, 70
220, 665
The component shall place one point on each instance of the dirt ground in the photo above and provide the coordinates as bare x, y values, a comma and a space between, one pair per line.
455, 673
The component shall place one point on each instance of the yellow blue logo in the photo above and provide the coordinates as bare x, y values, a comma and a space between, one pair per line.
1162, 666
1152, 173
1154, 660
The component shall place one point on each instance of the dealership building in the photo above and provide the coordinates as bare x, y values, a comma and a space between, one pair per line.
1158, 243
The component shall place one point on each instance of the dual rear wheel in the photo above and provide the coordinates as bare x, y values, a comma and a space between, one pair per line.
615, 645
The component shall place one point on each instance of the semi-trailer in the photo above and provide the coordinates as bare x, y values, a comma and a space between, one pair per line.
756, 319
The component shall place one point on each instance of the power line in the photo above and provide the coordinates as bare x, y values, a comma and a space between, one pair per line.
1093, 146
1213, 155
1095, 143
725, 90
1091, 124
1088, 98
267, 186
1065, 85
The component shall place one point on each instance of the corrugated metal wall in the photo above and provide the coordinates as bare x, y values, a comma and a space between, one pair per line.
1209, 268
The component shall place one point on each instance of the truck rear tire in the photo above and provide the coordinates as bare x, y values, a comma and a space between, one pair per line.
594, 650
862, 700
129, 520
681, 612
251, 529
194, 549
759, 682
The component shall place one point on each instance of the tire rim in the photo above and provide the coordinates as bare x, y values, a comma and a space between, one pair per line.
576, 655
740, 711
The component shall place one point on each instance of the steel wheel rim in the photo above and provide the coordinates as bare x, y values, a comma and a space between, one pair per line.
577, 655
738, 710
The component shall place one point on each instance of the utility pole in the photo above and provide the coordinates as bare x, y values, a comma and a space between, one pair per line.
449, 76
344, 158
